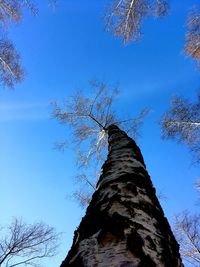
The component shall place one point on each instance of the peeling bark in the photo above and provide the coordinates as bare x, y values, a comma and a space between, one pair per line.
124, 225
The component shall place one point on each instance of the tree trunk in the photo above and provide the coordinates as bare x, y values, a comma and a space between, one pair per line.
124, 225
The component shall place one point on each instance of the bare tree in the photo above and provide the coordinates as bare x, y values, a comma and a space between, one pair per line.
124, 18
187, 232
182, 123
192, 42
89, 118
25, 244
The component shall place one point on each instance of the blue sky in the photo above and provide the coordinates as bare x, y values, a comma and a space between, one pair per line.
62, 50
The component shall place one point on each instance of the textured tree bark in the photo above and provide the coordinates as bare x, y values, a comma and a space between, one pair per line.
124, 225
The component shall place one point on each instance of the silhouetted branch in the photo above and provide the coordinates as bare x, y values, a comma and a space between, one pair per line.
24, 244
187, 232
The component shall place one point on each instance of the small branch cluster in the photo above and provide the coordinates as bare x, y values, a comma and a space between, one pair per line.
187, 232
11, 70
182, 123
26, 244
192, 43
124, 17
11, 10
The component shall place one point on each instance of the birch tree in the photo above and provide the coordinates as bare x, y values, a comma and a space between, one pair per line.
89, 118
124, 224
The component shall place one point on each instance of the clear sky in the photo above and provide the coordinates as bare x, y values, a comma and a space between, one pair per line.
61, 51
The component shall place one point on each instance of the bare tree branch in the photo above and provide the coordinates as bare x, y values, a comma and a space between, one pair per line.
82, 197
182, 123
11, 10
11, 70
88, 117
24, 244
124, 18
187, 232
192, 41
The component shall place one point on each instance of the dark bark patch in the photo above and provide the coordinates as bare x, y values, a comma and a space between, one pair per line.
128, 264
151, 243
135, 243
148, 262
132, 188
107, 237
115, 187
118, 224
